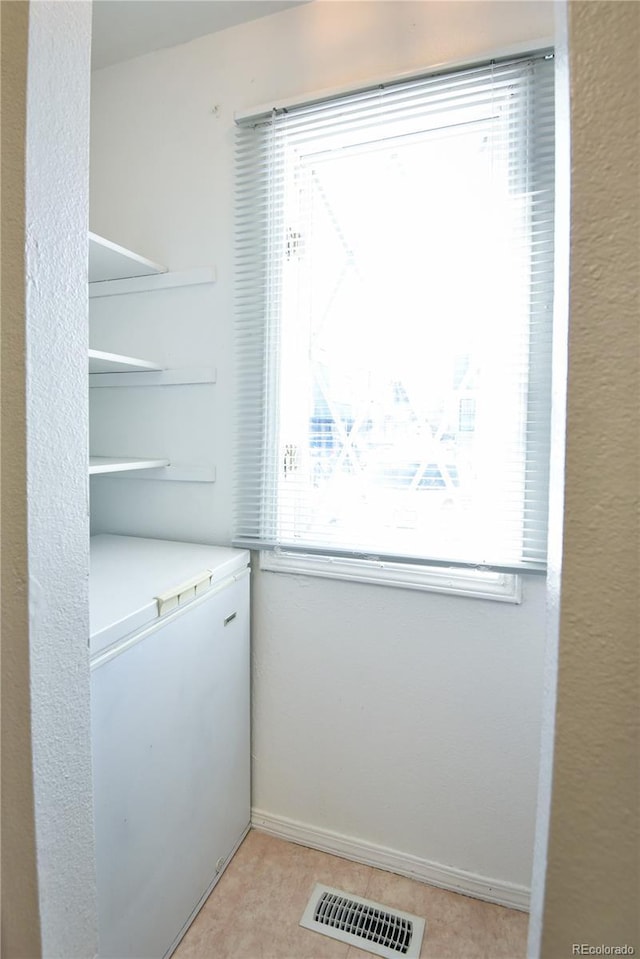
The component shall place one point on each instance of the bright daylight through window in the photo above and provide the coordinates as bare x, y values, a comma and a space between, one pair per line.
393, 319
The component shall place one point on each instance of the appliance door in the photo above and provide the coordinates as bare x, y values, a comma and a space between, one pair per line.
170, 729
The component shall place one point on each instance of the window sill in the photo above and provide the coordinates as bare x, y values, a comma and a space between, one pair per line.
476, 584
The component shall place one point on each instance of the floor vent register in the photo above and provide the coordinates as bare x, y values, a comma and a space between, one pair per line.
362, 923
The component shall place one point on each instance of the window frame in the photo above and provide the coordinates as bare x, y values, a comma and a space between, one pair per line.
453, 581
503, 585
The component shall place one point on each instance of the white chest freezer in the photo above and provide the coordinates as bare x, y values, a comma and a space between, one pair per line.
170, 733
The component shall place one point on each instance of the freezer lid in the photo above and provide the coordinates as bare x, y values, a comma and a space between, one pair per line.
133, 581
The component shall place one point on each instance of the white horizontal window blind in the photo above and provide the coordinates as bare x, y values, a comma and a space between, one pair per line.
394, 255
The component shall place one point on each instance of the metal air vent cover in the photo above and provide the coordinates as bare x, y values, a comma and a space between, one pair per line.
360, 922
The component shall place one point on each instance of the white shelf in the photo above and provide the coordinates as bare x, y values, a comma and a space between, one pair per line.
114, 271
109, 261
153, 282
187, 376
120, 464
101, 362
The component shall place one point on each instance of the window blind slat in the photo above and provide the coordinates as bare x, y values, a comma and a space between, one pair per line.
346, 275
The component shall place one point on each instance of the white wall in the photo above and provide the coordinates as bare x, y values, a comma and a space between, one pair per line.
557, 474
46, 589
405, 720
190, 425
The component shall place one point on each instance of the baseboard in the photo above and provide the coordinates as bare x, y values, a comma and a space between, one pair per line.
433, 873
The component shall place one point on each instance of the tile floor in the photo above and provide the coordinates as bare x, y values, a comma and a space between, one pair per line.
254, 910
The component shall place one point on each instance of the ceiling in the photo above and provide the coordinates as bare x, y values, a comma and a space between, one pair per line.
123, 29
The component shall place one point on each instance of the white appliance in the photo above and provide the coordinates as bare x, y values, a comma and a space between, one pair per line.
170, 733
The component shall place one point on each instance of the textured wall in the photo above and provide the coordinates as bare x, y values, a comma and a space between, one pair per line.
20, 917
49, 251
592, 876
442, 694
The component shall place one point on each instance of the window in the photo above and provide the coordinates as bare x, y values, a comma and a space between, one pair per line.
393, 319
